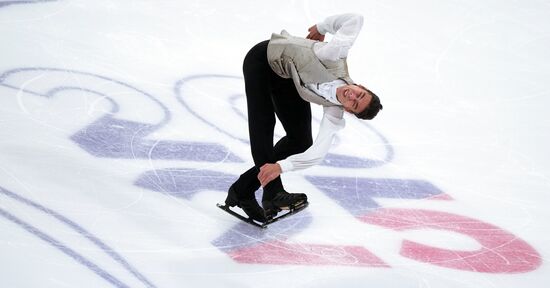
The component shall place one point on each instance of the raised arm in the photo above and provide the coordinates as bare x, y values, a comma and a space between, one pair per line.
344, 27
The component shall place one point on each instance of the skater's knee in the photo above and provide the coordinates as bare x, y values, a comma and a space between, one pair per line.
300, 145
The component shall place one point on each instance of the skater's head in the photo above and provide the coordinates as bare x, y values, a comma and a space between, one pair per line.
360, 101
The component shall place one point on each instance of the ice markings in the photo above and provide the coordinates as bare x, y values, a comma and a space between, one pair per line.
122, 132
184, 183
281, 253
119, 133
345, 161
500, 252
115, 138
243, 236
247, 244
357, 195
64, 248
7, 3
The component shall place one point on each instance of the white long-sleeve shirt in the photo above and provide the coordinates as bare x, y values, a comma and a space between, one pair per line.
344, 28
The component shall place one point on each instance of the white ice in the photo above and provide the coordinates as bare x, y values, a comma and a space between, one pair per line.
122, 123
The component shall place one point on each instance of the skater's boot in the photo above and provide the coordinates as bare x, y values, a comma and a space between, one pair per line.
232, 199
249, 206
283, 201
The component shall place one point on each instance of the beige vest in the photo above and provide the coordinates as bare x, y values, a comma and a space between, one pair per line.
293, 57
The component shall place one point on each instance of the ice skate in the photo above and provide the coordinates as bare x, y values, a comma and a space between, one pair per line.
250, 207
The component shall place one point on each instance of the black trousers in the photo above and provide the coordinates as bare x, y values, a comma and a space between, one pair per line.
268, 95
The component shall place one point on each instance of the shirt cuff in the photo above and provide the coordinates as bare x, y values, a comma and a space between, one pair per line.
286, 165
322, 28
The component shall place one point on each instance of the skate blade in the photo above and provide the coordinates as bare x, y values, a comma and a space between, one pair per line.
292, 211
249, 220
294, 207
264, 225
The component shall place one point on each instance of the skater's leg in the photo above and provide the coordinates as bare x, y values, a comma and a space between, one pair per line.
261, 117
295, 115
247, 183
261, 123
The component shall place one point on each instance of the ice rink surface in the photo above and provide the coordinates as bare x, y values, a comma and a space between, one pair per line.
122, 124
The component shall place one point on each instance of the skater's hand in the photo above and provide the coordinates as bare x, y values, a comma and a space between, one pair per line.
269, 172
314, 34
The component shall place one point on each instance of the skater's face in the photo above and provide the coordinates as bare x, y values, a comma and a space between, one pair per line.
354, 98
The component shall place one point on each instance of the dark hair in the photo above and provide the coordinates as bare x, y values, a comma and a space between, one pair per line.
374, 107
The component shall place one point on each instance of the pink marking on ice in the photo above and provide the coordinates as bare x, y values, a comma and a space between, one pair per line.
281, 253
501, 252
441, 196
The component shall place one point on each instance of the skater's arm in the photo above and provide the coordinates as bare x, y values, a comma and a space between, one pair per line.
344, 27
348, 24
331, 123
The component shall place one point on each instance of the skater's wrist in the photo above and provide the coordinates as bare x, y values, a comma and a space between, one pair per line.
285, 165
322, 28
